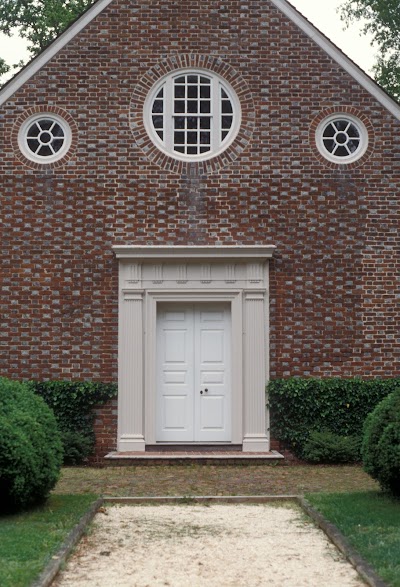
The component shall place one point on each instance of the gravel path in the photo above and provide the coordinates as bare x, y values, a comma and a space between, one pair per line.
203, 546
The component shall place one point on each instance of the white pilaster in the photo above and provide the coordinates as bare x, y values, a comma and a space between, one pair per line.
149, 276
255, 438
130, 388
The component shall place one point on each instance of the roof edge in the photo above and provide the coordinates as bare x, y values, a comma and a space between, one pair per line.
283, 5
337, 55
47, 54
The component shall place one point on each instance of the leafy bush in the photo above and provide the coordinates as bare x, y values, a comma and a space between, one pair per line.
73, 403
30, 447
327, 447
381, 443
299, 406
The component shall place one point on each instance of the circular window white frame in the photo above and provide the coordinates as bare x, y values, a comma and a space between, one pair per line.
213, 152
23, 138
342, 159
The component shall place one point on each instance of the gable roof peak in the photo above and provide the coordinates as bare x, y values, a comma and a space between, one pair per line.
283, 5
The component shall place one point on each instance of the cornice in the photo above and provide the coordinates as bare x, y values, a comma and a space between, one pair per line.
193, 252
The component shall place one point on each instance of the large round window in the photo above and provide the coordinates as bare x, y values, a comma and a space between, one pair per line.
192, 115
342, 139
44, 138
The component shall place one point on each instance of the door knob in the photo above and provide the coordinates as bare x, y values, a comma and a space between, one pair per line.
205, 391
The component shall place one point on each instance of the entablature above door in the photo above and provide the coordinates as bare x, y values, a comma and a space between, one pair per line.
188, 267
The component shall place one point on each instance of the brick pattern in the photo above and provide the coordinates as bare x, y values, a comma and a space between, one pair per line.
105, 425
48, 109
335, 274
208, 63
343, 110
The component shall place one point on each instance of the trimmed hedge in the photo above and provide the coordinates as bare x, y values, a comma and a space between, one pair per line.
300, 406
381, 443
73, 403
30, 447
327, 447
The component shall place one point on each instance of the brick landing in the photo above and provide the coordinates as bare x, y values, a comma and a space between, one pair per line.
207, 457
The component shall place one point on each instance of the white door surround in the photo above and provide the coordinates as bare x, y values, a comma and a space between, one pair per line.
152, 276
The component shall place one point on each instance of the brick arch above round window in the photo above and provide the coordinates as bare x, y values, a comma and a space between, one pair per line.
206, 63
37, 113
351, 114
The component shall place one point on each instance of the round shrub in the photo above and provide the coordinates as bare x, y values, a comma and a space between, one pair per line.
324, 446
381, 443
30, 447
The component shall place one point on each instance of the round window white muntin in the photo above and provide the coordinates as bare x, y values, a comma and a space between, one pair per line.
342, 138
44, 137
163, 133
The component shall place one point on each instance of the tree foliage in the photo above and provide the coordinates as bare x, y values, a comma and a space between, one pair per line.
381, 19
37, 21
381, 443
30, 447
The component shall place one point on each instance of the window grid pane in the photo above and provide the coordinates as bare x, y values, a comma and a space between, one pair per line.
45, 137
341, 138
192, 114
158, 117
192, 100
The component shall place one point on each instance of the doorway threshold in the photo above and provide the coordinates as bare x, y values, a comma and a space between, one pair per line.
210, 456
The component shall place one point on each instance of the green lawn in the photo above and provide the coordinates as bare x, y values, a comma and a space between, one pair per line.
28, 540
214, 480
371, 523
369, 519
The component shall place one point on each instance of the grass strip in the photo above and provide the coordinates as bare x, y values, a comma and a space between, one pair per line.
30, 539
128, 481
370, 521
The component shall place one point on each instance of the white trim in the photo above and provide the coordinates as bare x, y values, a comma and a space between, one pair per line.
167, 144
152, 275
235, 300
40, 61
283, 5
23, 138
337, 55
193, 252
363, 135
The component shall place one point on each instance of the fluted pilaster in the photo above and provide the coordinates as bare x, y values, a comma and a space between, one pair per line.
130, 401
255, 437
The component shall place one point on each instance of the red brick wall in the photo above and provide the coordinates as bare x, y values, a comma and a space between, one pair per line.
333, 278
105, 426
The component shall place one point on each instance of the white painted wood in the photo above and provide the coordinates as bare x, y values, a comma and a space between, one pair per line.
193, 367
246, 302
175, 374
213, 374
130, 374
233, 301
184, 252
255, 434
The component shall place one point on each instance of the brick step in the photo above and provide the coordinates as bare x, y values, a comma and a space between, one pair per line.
189, 457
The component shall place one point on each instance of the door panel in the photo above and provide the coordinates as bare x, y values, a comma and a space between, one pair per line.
212, 417
193, 358
175, 376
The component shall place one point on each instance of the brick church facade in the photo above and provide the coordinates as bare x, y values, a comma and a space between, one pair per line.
195, 199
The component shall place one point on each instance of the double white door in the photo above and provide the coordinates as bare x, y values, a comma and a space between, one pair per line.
193, 373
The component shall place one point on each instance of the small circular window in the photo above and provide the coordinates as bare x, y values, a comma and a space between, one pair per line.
192, 115
44, 138
342, 139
